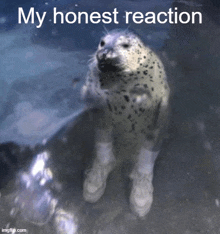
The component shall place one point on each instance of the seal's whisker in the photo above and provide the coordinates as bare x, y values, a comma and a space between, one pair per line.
106, 32
126, 30
91, 55
91, 60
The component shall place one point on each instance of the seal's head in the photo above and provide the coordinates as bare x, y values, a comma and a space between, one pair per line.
119, 51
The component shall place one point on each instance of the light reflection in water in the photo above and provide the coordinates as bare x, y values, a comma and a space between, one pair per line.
65, 222
39, 163
36, 201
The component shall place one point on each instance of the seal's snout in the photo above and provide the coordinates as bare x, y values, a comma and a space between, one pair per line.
104, 54
107, 61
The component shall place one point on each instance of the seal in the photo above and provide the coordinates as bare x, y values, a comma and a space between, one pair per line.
127, 84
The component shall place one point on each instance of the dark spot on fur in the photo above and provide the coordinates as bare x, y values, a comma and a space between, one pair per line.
145, 72
152, 89
126, 97
109, 106
149, 137
145, 57
145, 86
125, 82
122, 107
151, 67
156, 114
133, 127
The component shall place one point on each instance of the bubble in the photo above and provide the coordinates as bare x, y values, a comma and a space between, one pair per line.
2, 20
29, 54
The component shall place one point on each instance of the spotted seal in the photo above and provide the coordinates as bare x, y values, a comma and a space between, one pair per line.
127, 84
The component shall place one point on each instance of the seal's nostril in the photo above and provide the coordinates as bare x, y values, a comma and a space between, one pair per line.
101, 54
104, 53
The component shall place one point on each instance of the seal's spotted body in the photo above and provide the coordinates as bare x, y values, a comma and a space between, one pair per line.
127, 83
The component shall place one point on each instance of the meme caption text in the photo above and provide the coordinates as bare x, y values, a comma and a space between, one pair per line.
172, 16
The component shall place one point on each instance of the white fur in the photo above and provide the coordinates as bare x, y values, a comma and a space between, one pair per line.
146, 160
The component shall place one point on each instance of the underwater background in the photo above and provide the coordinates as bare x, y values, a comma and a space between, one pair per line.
41, 73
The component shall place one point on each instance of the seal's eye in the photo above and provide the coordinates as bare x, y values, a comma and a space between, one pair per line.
102, 43
126, 45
